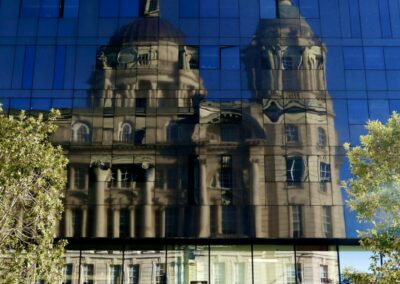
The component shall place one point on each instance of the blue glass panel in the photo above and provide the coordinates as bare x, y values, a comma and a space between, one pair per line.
71, 8
129, 8
189, 8
29, 60
376, 80
229, 8
22, 103
49, 8
394, 17
249, 9
209, 27
369, 13
345, 18
395, 105
393, 80
69, 67
40, 104
309, 8
379, 109
230, 80
18, 67
209, 57
229, 27
268, 9
30, 8
109, 8
211, 79
355, 79
62, 103
85, 59
190, 27
44, 67
334, 70
374, 58
358, 111
353, 58
59, 69
392, 57
6, 61
330, 18
385, 18
355, 18
209, 8
230, 58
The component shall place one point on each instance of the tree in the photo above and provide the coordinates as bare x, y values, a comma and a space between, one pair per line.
32, 180
374, 192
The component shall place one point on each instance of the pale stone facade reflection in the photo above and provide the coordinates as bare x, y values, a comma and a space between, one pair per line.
150, 156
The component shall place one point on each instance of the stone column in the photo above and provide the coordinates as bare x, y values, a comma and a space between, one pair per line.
162, 222
254, 200
218, 221
148, 210
115, 225
132, 221
68, 222
84, 221
204, 212
102, 177
119, 177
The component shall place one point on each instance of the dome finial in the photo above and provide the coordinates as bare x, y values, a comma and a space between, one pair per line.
152, 8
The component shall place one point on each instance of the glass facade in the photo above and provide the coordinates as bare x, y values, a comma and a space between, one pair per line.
209, 121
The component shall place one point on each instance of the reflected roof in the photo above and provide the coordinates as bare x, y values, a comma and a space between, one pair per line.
147, 29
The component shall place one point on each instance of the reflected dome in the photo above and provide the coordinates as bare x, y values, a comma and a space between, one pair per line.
147, 29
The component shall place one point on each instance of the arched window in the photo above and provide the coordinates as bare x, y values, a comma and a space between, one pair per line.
125, 133
321, 137
81, 133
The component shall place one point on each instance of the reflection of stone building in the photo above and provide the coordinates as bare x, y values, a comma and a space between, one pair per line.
149, 157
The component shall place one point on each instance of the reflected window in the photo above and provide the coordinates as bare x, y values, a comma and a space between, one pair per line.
327, 221
171, 222
228, 133
172, 132
161, 276
297, 221
87, 271
226, 171
240, 276
323, 271
124, 218
126, 178
77, 222
219, 273
228, 220
188, 57
293, 273
292, 133
140, 104
67, 274
324, 172
321, 137
291, 58
81, 133
294, 170
79, 177
133, 274
115, 274
126, 133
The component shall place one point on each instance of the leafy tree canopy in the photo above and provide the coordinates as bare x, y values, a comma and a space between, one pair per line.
374, 192
32, 180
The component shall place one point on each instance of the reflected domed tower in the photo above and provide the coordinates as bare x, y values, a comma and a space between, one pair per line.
286, 72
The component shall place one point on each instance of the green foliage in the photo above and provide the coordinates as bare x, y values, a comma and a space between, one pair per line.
374, 192
32, 180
